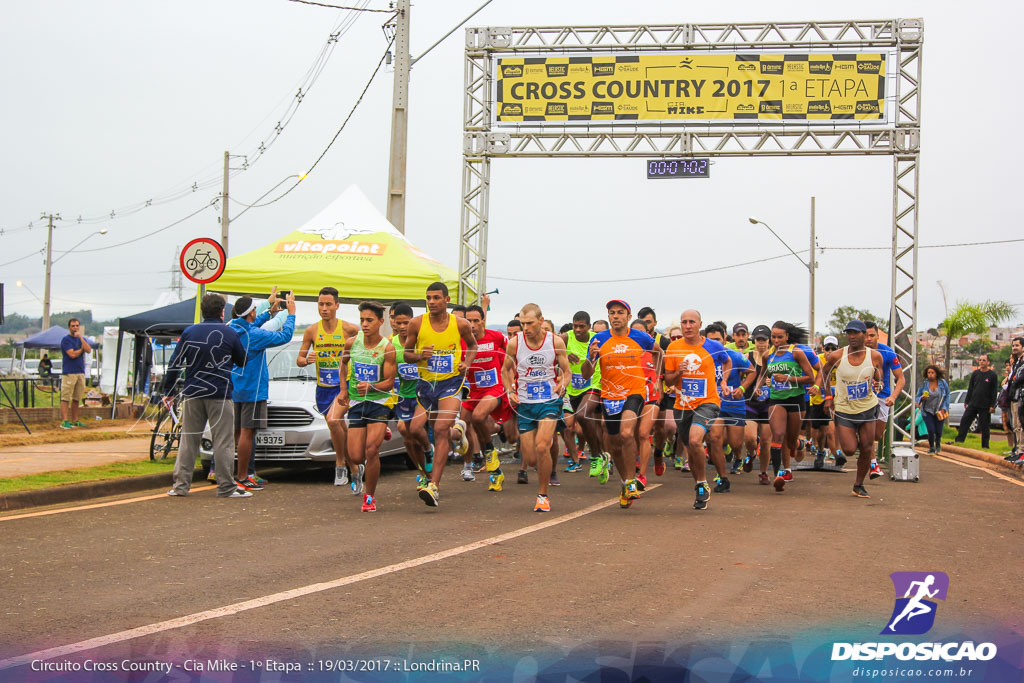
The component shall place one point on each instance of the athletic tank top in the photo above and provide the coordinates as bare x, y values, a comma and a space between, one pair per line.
407, 375
367, 365
853, 390
761, 393
783, 362
447, 350
535, 369
328, 347
578, 385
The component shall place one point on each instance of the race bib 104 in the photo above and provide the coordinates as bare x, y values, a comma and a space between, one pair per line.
366, 372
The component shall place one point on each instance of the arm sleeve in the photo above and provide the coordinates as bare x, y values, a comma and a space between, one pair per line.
238, 354
945, 395
262, 318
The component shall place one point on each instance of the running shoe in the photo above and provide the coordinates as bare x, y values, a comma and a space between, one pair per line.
659, 466
421, 482
357, 481
780, 481
428, 494
428, 459
763, 478
788, 476
211, 475
669, 449
240, 493
522, 477
259, 480
492, 463
722, 486
573, 466
496, 479
718, 479
840, 459
641, 480
478, 462
875, 472
369, 504
624, 500
596, 465
341, 476
748, 463
249, 484
553, 481
819, 461
632, 489
606, 469
735, 469
542, 504
77, 423
467, 473
66, 425
860, 491
678, 462
174, 493
460, 444
703, 496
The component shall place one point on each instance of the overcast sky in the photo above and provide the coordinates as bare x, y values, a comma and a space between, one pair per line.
113, 103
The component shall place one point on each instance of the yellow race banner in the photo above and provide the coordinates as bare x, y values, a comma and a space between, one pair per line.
702, 87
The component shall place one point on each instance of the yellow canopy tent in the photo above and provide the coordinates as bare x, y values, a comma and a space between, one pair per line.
350, 246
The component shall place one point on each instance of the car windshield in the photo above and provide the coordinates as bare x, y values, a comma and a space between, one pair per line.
281, 364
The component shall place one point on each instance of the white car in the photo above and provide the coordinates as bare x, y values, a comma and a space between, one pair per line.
957, 407
295, 432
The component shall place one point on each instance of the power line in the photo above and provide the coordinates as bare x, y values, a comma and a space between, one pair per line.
926, 246
34, 253
150, 234
331, 143
341, 28
356, 9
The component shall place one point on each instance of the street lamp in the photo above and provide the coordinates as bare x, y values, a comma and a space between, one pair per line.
22, 284
811, 266
49, 265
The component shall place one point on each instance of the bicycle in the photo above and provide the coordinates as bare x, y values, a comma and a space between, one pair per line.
196, 266
167, 429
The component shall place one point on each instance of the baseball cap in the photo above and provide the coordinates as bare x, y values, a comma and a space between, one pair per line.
831, 340
855, 326
618, 302
739, 327
761, 332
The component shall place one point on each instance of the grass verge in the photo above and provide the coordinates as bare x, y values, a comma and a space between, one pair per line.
119, 470
974, 441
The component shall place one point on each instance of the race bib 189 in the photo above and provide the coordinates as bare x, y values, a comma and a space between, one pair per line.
485, 378
366, 372
537, 391
578, 382
857, 391
441, 363
330, 377
408, 371
694, 388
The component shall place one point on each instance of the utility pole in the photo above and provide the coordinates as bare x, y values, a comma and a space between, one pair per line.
399, 120
813, 266
176, 276
50, 218
224, 220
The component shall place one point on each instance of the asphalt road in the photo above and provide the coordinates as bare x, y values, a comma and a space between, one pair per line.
755, 564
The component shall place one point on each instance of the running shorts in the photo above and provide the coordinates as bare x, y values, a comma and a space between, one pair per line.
405, 408
793, 404
532, 413
855, 420
703, 416
429, 394
325, 397
613, 411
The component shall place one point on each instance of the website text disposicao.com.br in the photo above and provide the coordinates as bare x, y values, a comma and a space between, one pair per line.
910, 672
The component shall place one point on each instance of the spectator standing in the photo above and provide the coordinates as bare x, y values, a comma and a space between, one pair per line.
1015, 393
933, 400
73, 348
251, 381
46, 368
206, 353
982, 389
1003, 401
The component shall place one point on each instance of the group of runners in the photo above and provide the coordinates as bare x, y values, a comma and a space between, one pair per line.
620, 394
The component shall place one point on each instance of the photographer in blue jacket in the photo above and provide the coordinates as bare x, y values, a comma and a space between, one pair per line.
252, 382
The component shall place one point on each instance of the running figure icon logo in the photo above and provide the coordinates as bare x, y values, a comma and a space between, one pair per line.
914, 612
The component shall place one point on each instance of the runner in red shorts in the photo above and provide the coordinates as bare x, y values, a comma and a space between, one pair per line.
486, 404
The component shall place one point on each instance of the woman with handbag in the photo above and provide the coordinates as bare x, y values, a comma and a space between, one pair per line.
933, 400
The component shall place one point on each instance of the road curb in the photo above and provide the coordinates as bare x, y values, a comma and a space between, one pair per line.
980, 456
19, 500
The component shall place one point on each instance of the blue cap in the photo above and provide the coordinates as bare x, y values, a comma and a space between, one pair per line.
855, 326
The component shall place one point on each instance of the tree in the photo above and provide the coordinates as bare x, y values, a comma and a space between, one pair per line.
979, 347
844, 314
970, 317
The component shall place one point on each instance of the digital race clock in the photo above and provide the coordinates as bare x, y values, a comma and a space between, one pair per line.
679, 168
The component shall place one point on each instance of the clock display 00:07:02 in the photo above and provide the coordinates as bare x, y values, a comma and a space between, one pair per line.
679, 168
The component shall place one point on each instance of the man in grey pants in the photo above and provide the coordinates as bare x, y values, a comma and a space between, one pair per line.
206, 353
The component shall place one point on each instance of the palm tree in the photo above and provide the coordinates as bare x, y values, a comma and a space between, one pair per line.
973, 318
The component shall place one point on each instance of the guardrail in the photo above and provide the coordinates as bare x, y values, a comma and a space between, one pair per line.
23, 390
